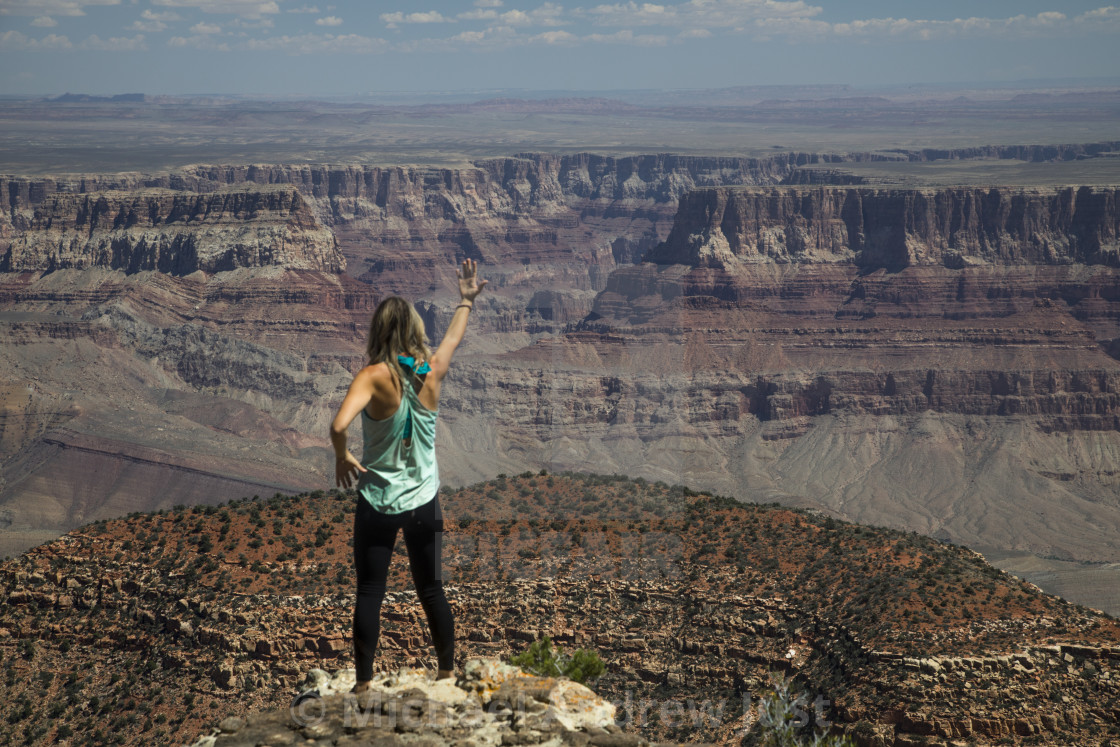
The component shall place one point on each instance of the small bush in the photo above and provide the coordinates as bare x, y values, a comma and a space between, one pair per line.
783, 721
583, 665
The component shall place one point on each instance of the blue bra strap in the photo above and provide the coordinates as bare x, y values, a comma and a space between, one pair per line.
407, 361
410, 363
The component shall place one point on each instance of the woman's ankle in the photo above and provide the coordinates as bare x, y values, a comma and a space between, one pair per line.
361, 686
444, 674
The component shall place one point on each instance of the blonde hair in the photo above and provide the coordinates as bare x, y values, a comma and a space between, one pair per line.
396, 329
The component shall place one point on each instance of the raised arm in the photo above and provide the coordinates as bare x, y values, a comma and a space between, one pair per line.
469, 288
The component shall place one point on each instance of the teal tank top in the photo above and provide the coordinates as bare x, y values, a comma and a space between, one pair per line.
400, 454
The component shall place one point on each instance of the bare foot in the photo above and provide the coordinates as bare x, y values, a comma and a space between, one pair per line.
360, 687
445, 674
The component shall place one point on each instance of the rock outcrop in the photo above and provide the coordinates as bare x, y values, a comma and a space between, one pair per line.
172, 232
895, 228
167, 624
492, 703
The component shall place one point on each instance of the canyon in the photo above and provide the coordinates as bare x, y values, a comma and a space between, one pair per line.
939, 359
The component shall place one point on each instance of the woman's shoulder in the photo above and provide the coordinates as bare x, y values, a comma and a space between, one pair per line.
375, 370
379, 377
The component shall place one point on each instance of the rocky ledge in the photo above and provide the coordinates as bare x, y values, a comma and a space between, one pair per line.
491, 704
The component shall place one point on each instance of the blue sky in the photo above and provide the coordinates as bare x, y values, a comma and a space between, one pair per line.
292, 47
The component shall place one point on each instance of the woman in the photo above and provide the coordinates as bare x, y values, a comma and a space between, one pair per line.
397, 395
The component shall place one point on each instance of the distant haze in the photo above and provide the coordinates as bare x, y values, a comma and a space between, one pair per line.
348, 47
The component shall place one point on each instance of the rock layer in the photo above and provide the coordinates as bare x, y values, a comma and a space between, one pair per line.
895, 228
692, 601
172, 232
782, 334
492, 703
532, 219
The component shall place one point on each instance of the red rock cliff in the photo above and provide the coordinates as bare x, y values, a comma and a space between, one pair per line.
895, 228
173, 232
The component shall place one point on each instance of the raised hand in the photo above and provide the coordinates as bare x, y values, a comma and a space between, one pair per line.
469, 284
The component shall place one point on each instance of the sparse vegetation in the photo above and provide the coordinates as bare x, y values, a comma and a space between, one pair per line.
611, 543
787, 720
582, 665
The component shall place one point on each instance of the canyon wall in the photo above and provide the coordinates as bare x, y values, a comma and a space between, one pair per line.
895, 228
933, 359
940, 360
534, 219
172, 232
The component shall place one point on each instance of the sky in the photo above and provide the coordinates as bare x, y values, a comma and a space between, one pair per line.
362, 47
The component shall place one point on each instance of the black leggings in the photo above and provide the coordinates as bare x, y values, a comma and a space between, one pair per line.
375, 534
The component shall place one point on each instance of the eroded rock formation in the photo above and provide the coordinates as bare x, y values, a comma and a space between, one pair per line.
177, 233
173, 622
492, 703
895, 228
903, 356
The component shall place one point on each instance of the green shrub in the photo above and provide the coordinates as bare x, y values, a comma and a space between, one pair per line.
782, 721
582, 665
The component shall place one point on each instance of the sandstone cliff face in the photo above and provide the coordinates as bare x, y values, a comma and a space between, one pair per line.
172, 232
810, 345
895, 228
867, 351
535, 218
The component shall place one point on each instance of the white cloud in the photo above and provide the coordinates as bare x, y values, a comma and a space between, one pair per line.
556, 38
478, 15
495, 37
45, 22
14, 41
243, 8
470, 37
319, 44
167, 15
201, 41
516, 18
487, 3
505, 37
548, 14
206, 28
766, 19
152, 22
626, 36
1101, 19
431, 16
114, 44
328, 21
1110, 11
260, 23
711, 14
150, 27
49, 7
1051, 17
1021, 26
